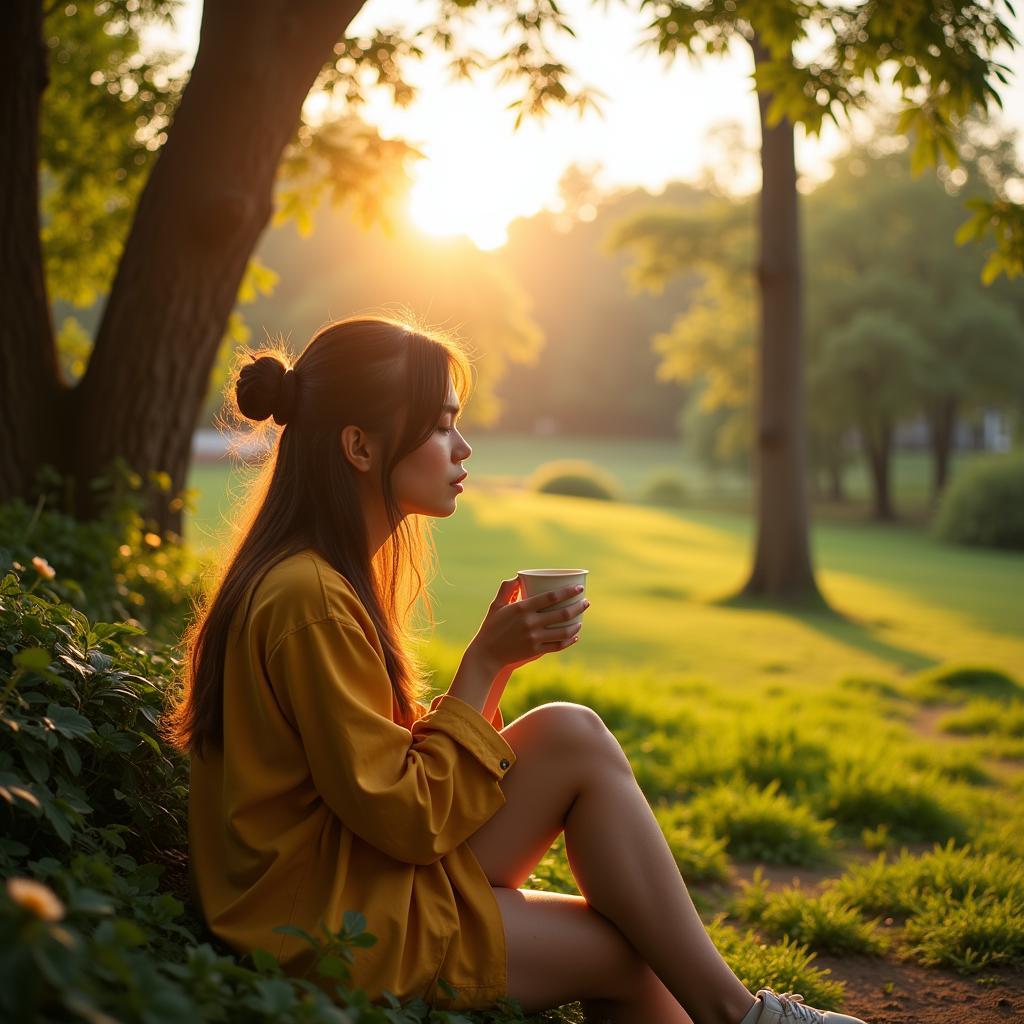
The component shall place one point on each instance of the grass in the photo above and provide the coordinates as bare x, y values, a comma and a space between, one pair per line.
825, 922
787, 738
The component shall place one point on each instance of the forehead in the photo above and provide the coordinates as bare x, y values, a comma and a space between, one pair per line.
451, 402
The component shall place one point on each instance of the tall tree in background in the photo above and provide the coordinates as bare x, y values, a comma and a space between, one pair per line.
190, 176
940, 57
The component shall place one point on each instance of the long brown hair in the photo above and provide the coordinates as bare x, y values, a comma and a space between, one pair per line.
384, 376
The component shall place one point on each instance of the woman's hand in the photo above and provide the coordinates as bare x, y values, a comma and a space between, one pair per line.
515, 632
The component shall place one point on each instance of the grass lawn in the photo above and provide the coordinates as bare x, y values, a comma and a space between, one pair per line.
657, 578
832, 749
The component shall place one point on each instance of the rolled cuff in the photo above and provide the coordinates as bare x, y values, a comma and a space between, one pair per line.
468, 727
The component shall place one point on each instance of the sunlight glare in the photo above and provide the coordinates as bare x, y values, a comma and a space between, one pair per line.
452, 197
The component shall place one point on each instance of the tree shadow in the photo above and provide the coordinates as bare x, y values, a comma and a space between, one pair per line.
823, 618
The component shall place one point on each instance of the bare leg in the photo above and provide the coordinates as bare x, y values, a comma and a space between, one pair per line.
571, 774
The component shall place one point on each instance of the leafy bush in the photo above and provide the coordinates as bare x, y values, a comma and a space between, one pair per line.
666, 488
116, 567
92, 820
574, 477
985, 505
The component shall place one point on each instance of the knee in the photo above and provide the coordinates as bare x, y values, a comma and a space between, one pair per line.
580, 729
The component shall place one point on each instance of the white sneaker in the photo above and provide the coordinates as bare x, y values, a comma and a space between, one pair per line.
775, 1008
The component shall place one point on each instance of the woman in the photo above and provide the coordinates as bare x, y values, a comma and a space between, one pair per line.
320, 783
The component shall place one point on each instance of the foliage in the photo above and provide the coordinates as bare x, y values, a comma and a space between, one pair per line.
987, 717
762, 824
666, 488
784, 966
93, 818
113, 568
575, 477
824, 922
985, 505
958, 683
915, 806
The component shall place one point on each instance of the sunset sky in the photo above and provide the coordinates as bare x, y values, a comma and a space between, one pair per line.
479, 174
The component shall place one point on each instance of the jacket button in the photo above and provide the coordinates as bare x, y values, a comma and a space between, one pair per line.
504, 762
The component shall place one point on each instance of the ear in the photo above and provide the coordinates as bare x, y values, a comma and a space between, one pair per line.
357, 447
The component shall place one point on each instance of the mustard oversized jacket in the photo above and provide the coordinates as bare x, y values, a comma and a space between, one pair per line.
321, 802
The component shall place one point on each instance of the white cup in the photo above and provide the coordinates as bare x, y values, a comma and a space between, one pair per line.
540, 581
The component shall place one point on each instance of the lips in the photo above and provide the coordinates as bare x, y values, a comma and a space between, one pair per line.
459, 479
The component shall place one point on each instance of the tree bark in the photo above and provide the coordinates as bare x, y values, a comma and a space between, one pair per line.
208, 199
941, 423
878, 446
30, 383
782, 566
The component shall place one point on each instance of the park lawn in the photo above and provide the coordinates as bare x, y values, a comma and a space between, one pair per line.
658, 578
807, 742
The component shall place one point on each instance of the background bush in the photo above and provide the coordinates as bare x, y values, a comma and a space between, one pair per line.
985, 505
576, 478
666, 488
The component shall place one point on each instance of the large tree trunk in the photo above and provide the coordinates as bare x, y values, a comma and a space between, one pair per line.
30, 384
782, 560
941, 422
208, 199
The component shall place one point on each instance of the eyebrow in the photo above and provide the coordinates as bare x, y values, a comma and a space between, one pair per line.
453, 409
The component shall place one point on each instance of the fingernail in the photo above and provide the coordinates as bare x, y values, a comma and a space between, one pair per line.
579, 587
586, 604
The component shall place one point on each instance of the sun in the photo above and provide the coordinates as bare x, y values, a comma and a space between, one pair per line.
455, 197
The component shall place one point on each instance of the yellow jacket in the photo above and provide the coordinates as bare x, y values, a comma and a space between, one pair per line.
320, 802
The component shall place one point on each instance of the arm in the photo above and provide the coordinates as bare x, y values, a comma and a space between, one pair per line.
415, 800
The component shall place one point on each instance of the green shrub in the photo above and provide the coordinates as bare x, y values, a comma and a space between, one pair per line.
985, 505
785, 966
988, 717
94, 922
577, 478
116, 567
761, 824
914, 806
968, 935
899, 887
956, 684
666, 487
826, 922
699, 856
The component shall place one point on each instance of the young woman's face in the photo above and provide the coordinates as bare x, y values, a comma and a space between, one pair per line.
424, 481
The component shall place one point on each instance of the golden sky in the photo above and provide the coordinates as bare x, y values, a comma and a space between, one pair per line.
479, 174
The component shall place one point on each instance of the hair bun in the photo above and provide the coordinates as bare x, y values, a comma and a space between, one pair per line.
266, 388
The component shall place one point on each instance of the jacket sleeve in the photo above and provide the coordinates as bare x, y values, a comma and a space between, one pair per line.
413, 794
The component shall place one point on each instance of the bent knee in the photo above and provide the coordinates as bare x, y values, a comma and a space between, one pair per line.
574, 727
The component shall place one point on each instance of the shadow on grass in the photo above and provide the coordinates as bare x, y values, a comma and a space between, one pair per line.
818, 615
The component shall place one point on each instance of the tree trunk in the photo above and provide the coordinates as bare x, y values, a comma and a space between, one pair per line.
835, 479
30, 384
208, 199
941, 422
878, 446
782, 560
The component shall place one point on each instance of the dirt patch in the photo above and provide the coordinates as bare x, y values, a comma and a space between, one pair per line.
890, 992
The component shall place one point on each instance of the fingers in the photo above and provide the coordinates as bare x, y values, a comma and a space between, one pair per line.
506, 592
541, 601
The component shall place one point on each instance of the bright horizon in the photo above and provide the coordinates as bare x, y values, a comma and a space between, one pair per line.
479, 175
